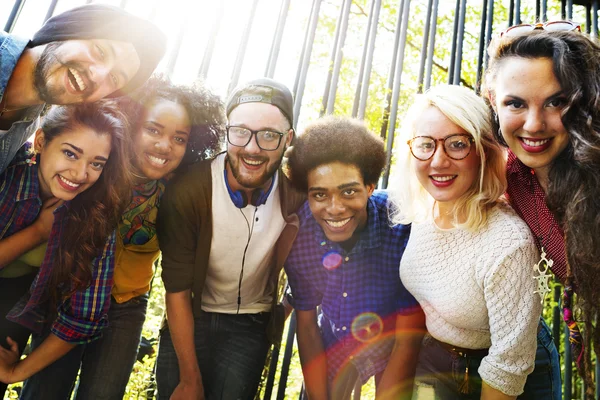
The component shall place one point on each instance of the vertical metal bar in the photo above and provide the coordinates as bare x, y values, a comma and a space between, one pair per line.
175, 51
363, 60
482, 44
453, 45
567, 384
489, 26
338, 58
569, 9
390, 80
588, 18
538, 11
306, 60
396, 92
556, 317
50, 11
460, 39
563, 9
304, 44
367, 75
239, 59
14, 15
511, 13
336, 40
424, 50
272, 370
276, 45
544, 10
518, 12
597, 378
210, 45
594, 19
287, 356
431, 47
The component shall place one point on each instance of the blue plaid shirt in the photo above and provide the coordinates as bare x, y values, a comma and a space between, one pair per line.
359, 291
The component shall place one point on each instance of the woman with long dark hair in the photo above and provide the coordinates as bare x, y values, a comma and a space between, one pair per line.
66, 188
171, 127
543, 89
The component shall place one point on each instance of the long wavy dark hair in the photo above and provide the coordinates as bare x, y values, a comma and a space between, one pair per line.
205, 110
93, 214
573, 192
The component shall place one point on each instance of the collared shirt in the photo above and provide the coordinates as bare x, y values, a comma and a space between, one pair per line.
528, 198
81, 317
11, 48
360, 291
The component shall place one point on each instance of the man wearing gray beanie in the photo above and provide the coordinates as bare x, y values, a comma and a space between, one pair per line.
82, 55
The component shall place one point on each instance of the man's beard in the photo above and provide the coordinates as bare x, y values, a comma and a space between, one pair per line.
41, 75
268, 174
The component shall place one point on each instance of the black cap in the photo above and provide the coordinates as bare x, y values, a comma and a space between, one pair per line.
264, 90
101, 21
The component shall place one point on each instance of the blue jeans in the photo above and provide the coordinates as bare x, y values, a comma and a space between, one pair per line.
231, 350
105, 363
544, 382
440, 373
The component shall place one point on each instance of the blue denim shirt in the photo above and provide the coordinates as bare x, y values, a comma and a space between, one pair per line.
11, 48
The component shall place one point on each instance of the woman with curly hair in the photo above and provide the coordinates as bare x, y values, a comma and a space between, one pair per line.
465, 261
66, 189
543, 89
172, 126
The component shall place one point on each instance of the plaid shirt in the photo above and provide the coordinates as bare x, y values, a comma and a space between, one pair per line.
360, 291
81, 317
528, 199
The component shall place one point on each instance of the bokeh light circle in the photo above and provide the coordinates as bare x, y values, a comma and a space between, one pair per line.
332, 260
367, 327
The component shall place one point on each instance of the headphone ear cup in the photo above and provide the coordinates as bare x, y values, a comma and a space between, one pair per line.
258, 197
237, 198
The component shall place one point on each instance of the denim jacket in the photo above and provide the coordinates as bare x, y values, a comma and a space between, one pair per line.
11, 48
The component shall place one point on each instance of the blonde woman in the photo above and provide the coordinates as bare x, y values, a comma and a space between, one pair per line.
469, 257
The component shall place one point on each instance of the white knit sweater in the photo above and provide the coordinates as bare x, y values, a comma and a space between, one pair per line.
477, 291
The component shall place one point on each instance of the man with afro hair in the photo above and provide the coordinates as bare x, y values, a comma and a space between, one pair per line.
345, 259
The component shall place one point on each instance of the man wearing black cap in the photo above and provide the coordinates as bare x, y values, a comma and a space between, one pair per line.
82, 55
225, 228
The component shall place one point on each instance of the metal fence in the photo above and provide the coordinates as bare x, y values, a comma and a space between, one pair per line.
417, 43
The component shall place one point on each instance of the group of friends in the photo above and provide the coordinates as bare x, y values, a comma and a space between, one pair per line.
435, 286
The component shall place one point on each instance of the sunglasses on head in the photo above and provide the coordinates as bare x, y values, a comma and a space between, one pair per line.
552, 26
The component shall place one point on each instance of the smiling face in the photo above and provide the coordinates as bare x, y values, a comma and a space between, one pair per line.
337, 196
250, 166
161, 140
529, 102
445, 179
72, 162
75, 71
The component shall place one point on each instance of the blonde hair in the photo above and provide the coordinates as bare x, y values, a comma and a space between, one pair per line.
467, 110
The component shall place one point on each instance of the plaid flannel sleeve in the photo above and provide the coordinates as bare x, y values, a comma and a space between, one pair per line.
82, 317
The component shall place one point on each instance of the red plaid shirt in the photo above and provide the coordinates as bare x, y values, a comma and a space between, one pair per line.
81, 317
529, 200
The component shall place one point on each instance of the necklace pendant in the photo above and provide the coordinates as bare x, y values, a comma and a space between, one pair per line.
542, 276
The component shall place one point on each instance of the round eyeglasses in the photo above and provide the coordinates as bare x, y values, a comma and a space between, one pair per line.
551, 26
268, 140
456, 146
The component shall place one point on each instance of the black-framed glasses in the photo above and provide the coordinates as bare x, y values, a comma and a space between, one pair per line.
551, 26
456, 146
268, 140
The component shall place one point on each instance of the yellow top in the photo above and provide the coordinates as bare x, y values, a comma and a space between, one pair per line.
134, 268
26, 263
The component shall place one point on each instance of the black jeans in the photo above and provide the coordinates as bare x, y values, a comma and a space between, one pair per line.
231, 350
